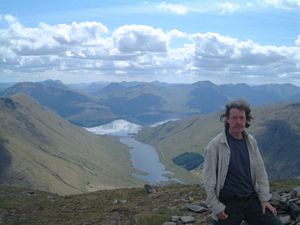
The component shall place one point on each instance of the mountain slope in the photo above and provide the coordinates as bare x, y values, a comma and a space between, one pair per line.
147, 103
150, 102
277, 129
45, 152
71, 105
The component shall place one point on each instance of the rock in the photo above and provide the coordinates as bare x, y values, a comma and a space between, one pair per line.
172, 207
149, 189
293, 194
297, 189
169, 223
196, 208
275, 199
244, 223
175, 218
203, 204
29, 193
297, 219
285, 219
187, 219
3, 212
284, 197
117, 201
294, 209
191, 199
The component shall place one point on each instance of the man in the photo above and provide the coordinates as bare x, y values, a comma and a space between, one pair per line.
234, 175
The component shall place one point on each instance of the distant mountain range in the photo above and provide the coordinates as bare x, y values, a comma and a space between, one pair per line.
72, 105
276, 128
41, 150
34, 138
146, 103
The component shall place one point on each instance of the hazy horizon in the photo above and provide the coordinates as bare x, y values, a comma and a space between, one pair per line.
154, 81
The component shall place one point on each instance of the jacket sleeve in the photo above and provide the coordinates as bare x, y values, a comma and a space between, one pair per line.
210, 179
263, 188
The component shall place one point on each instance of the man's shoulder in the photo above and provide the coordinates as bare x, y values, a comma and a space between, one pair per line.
220, 138
250, 137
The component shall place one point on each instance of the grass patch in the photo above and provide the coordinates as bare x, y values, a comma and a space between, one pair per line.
126, 206
285, 184
151, 218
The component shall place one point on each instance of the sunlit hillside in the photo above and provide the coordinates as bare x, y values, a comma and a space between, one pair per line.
41, 150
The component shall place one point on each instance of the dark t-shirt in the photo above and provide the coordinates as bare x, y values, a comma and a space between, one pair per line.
238, 181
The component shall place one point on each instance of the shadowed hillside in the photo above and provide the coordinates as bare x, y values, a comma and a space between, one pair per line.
277, 129
41, 150
70, 104
279, 144
5, 159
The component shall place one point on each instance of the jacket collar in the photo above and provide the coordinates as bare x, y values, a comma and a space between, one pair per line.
223, 138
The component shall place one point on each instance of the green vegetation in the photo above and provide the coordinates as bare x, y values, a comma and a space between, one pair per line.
285, 184
173, 138
48, 153
277, 129
126, 206
121, 206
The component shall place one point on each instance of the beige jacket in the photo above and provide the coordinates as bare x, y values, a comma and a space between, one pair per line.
217, 156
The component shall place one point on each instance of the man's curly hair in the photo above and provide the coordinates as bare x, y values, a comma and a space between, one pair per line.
240, 104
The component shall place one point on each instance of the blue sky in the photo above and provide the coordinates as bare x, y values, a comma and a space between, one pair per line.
255, 42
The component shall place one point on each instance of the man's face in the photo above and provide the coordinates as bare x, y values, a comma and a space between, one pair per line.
236, 121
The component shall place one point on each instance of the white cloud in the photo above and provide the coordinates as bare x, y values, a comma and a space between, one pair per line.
87, 33
284, 4
46, 39
140, 52
228, 7
140, 38
10, 19
297, 42
30, 48
121, 64
216, 54
175, 8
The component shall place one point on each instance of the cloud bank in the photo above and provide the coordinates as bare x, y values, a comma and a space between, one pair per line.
90, 51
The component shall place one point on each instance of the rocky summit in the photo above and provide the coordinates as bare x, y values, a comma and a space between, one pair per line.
151, 205
288, 205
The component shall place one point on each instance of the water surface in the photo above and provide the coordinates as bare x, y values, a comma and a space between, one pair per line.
144, 157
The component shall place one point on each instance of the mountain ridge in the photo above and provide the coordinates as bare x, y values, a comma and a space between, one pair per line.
51, 154
64, 101
147, 103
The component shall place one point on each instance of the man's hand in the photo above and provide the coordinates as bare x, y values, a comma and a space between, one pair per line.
267, 205
222, 216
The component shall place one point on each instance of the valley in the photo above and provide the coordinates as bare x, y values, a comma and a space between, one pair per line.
48, 153
43, 148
